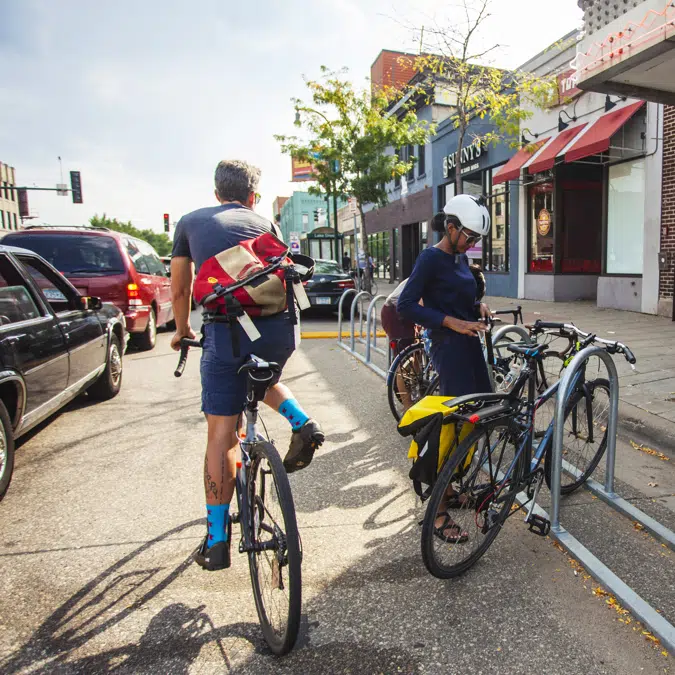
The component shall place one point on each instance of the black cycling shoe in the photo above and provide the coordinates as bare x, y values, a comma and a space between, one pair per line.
304, 441
215, 558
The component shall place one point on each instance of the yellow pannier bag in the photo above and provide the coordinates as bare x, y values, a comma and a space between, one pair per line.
434, 436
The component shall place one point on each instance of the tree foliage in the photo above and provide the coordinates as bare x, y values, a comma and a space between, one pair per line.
457, 65
159, 241
349, 135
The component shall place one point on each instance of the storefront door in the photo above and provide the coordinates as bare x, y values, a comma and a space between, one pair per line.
580, 220
411, 247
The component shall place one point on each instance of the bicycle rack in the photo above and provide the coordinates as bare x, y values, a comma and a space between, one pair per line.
664, 630
371, 329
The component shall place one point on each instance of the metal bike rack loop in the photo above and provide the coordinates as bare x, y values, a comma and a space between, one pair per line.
371, 329
664, 630
352, 315
340, 306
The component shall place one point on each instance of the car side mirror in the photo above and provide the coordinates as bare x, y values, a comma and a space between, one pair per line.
91, 302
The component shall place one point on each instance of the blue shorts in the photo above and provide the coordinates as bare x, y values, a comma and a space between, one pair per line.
223, 389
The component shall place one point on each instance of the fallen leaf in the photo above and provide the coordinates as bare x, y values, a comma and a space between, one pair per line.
652, 484
650, 451
638, 526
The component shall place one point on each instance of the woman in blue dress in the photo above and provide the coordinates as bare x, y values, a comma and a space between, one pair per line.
444, 282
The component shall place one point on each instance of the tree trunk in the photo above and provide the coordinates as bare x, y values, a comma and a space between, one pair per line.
459, 188
366, 284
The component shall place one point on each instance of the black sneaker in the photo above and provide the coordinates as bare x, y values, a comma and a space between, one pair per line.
215, 558
304, 441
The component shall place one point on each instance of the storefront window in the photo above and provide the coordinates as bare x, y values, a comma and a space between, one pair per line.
625, 218
496, 253
397, 271
541, 227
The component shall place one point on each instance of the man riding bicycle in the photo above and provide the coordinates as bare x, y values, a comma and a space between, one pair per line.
200, 235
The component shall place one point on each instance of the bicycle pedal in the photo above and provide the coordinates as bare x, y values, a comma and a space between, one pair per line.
539, 525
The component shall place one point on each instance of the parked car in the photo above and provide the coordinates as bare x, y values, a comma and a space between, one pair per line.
327, 285
166, 259
54, 344
116, 267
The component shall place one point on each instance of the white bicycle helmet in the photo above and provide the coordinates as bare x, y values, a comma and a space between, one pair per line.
470, 212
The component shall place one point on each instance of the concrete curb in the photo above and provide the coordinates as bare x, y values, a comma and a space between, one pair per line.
641, 426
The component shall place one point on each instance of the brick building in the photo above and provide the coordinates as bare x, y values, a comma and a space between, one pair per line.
9, 201
392, 68
666, 278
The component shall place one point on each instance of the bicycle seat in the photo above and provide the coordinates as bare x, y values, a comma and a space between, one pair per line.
529, 351
256, 365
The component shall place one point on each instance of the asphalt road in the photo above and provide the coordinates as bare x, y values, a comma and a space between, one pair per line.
106, 507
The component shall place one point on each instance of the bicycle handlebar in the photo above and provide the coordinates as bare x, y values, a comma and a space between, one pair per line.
185, 345
517, 313
613, 347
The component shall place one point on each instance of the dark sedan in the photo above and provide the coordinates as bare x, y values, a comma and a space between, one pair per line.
54, 345
327, 285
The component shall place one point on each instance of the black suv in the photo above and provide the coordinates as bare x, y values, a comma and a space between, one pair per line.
54, 344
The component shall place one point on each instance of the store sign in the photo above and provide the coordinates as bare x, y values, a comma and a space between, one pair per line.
294, 241
544, 222
301, 170
470, 153
567, 87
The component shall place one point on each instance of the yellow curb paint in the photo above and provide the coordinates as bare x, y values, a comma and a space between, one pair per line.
319, 335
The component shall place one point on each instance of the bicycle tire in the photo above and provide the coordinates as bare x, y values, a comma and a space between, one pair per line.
571, 431
420, 388
471, 511
280, 639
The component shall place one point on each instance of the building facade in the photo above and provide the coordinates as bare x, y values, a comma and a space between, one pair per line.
667, 256
479, 163
9, 199
590, 194
277, 205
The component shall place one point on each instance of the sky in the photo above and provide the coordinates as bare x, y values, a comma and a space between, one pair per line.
144, 97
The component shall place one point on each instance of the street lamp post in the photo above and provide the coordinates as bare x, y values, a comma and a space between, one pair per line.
334, 169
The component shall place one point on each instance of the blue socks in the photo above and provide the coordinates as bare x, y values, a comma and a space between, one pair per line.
216, 522
292, 411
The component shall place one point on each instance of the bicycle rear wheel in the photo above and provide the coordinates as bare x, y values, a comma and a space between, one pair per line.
584, 436
275, 562
410, 378
484, 474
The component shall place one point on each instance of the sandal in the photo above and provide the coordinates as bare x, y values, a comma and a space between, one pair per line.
448, 523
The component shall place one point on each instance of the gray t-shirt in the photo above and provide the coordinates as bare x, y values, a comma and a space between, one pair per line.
206, 232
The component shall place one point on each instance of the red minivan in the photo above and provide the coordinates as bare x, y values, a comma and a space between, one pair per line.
113, 266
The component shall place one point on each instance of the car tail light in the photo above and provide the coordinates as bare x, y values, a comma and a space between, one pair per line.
134, 295
345, 284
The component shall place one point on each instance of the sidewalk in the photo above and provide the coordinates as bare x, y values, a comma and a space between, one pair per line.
647, 394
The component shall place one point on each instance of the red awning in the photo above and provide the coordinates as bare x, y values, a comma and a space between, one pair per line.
511, 170
598, 136
546, 158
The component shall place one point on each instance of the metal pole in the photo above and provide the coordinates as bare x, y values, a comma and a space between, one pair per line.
371, 325
338, 253
340, 305
561, 402
355, 302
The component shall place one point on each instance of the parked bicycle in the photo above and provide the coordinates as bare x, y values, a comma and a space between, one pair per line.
266, 515
478, 483
411, 375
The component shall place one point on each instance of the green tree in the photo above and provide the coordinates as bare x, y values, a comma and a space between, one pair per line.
454, 66
349, 136
159, 241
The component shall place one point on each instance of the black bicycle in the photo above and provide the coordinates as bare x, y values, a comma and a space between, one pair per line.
411, 375
478, 483
266, 515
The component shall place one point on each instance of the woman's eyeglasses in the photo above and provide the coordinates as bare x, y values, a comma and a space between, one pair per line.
472, 238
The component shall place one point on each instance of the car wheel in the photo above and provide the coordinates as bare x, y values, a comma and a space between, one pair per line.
109, 383
147, 339
6, 450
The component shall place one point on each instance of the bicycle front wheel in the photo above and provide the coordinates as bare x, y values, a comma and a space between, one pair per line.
584, 436
275, 562
471, 499
411, 377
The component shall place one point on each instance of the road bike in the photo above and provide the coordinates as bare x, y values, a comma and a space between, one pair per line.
476, 488
411, 375
266, 515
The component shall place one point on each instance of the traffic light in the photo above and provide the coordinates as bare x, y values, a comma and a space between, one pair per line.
166, 222
76, 186
316, 215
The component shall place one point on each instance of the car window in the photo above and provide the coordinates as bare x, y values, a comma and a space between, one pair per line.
16, 302
327, 267
153, 263
137, 256
56, 290
73, 254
